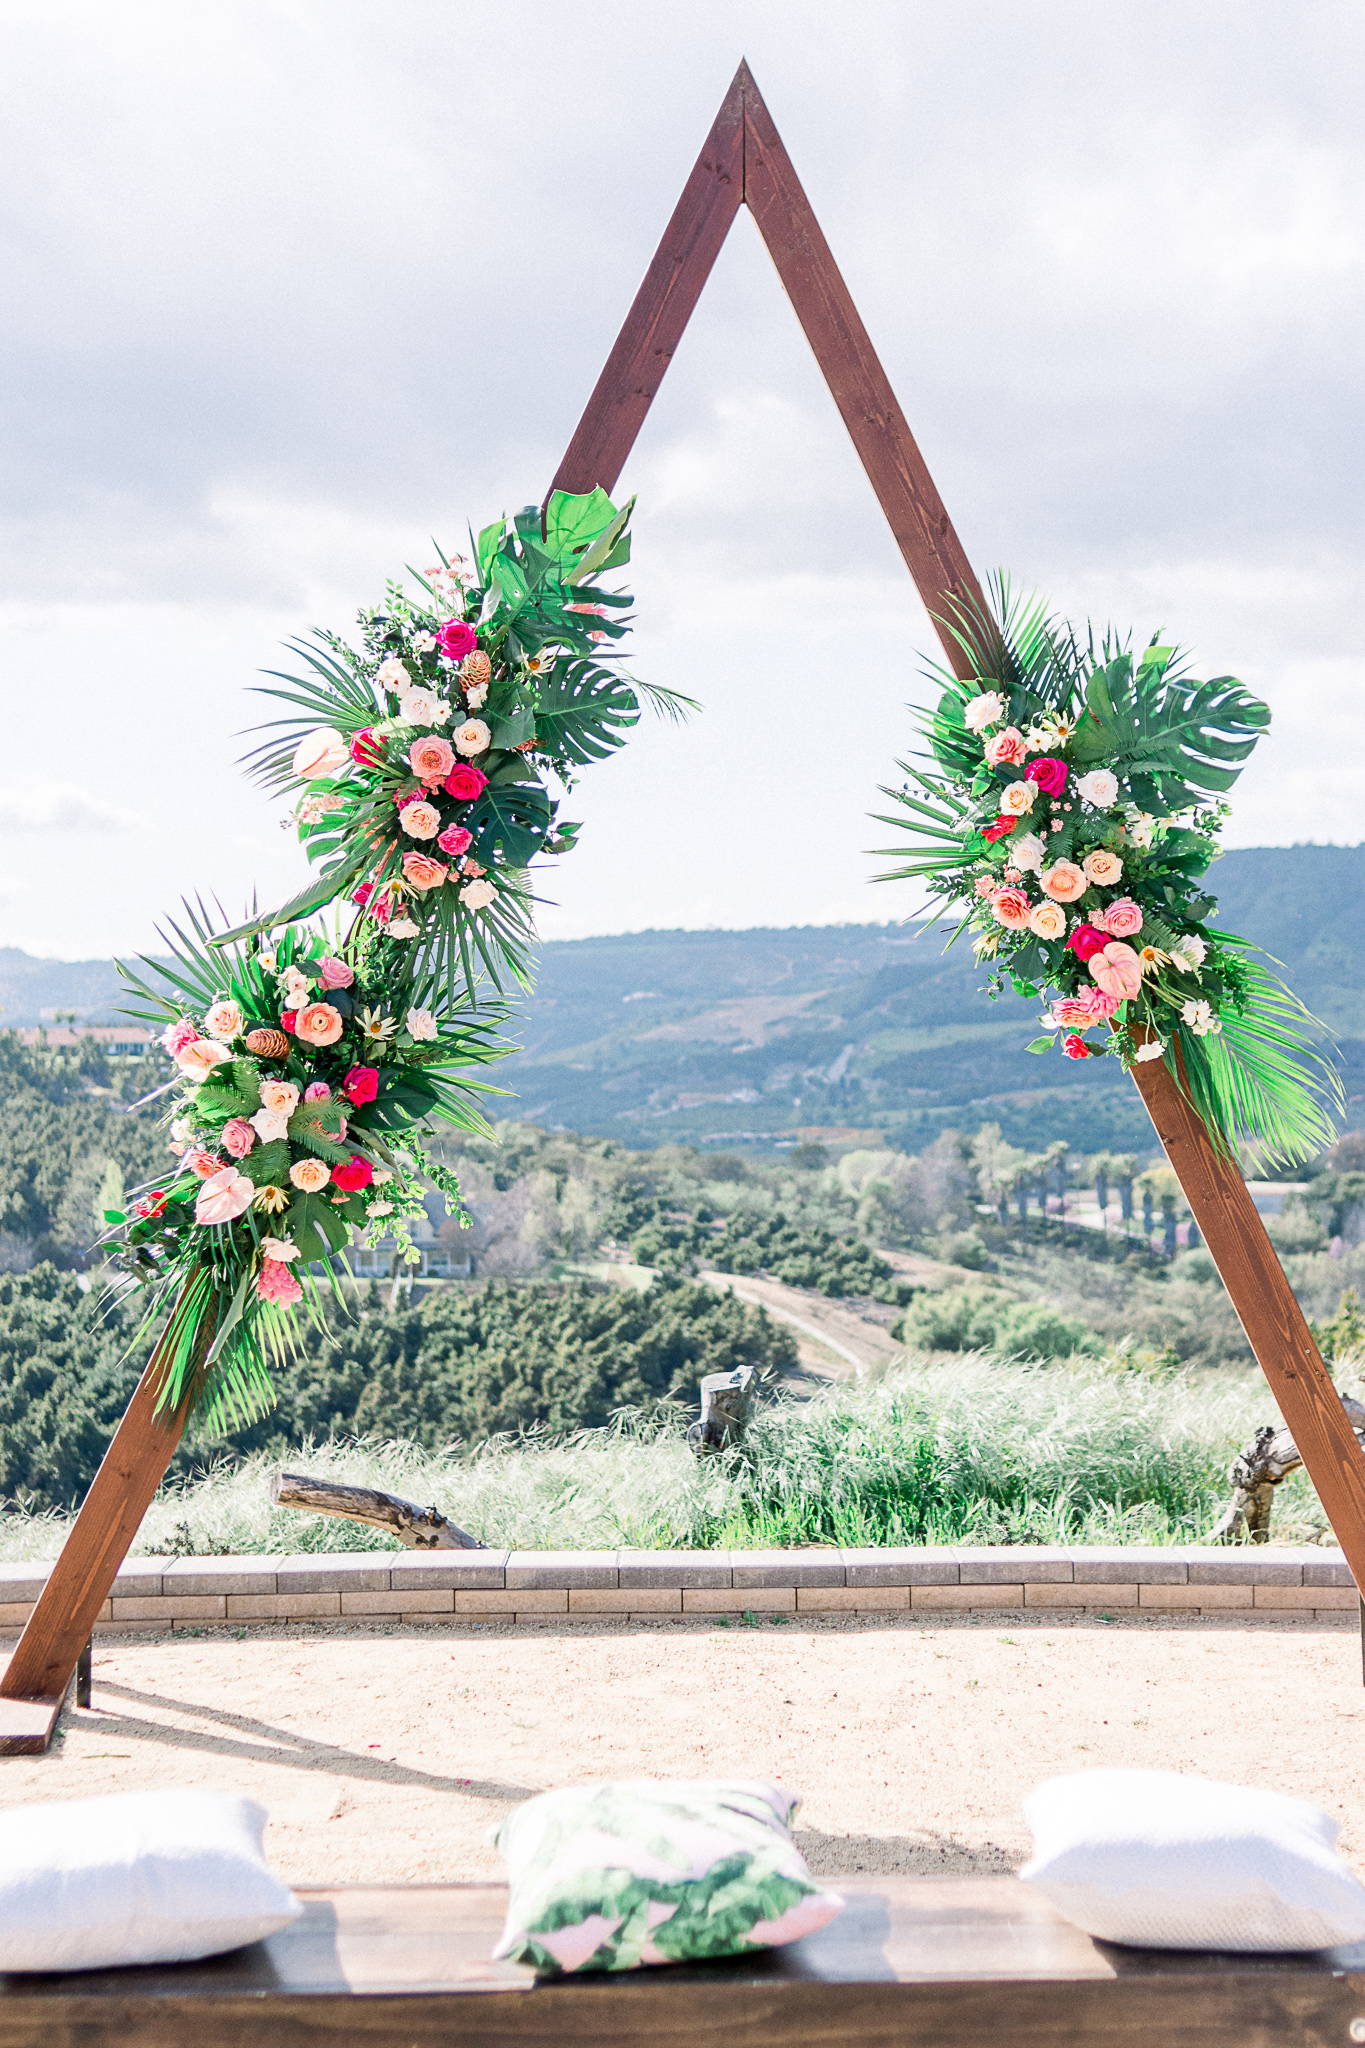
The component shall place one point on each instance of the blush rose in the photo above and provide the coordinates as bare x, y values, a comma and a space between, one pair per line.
420, 820
1102, 867
1122, 920
1047, 921
310, 1176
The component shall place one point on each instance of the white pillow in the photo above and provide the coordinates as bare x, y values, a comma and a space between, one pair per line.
1158, 1860
144, 1877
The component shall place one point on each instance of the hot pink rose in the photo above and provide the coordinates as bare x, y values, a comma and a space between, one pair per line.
177, 1036
1122, 920
422, 872
335, 973
455, 840
1049, 774
319, 1024
353, 1173
455, 639
1003, 749
1086, 940
1075, 1048
367, 749
361, 1085
276, 1283
225, 1197
431, 759
1010, 908
238, 1137
1118, 971
465, 782
317, 1091
363, 894
289, 1020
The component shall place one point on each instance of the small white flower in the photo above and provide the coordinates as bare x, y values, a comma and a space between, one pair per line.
380, 1209
1189, 952
422, 1024
402, 928
1099, 788
381, 1174
282, 1248
1027, 852
1152, 1050
987, 709
422, 707
476, 695
267, 962
424, 643
1141, 825
1200, 1018
376, 1025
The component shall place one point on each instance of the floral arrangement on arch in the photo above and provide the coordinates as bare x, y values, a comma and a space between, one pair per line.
308, 1063
1067, 810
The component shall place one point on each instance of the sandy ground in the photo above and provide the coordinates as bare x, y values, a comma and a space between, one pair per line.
389, 1755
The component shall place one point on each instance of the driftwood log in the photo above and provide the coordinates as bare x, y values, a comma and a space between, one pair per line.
727, 1400
418, 1528
1255, 1473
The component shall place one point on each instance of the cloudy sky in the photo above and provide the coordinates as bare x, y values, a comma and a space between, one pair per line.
289, 289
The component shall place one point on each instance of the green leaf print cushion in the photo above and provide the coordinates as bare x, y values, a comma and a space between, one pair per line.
613, 1877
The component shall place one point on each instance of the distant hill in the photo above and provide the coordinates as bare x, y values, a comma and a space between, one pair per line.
747, 1037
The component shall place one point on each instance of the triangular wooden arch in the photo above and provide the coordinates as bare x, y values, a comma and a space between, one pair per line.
744, 163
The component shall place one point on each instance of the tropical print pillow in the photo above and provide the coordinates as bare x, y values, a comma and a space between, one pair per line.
616, 1876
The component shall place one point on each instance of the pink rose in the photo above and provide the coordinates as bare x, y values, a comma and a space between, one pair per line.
465, 782
289, 1020
455, 839
352, 1174
319, 1024
1010, 908
1087, 939
363, 894
420, 820
1003, 749
1088, 1006
202, 1163
335, 973
361, 1085
1122, 920
177, 1036
431, 759
421, 872
276, 1283
238, 1137
1118, 970
1064, 882
310, 1175
317, 1091
1049, 774
455, 639
225, 1197
367, 749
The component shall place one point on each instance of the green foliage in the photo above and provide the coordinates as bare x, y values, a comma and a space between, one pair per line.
802, 1255
64, 1383
977, 1319
1343, 1337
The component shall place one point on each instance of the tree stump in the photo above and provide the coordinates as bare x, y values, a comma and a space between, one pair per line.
726, 1404
1255, 1473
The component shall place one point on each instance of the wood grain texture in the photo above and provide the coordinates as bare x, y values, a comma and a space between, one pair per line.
960, 1962
1266, 1306
416, 1527
79, 1584
663, 306
860, 387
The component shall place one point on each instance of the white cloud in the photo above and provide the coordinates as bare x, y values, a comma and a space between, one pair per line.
60, 807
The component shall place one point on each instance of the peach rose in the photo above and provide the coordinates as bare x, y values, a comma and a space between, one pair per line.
473, 737
198, 1059
320, 753
1102, 867
420, 871
281, 1098
420, 820
1005, 748
1118, 971
431, 759
225, 1020
310, 1175
201, 1163
319, 1024
225, 1197
1064, 882
1122, 920
1010, 908
1016, 798
1088, 1006
1047, 921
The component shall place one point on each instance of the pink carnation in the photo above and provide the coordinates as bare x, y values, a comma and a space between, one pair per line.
455, 839
238, 1137
178, 1035
317, 1091
275, 1282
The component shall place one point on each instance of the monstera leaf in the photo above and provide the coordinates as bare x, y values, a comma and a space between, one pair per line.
584, 711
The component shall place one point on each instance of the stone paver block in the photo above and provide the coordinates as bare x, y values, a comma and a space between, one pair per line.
1305, 1599
432, 1601
941, 1599
450, 1571
140, 1577
1194, 1599
853, 1600
751, 1600
902, 1567
124, 1628
531, 1600
786, 1568
1245, 1571
364, 1572
24, 1584
691, 1570
1075, 1595
283, 1606
199, 1608
540, 1569
618, 1600
1337, 1573
1013, 1565
14, 1613
1136, 1567
208, 1575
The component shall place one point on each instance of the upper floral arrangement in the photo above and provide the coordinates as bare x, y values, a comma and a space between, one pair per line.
1068, 809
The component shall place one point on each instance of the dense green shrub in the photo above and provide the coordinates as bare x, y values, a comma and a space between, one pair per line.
978, 1319
64, 1382
802, 1255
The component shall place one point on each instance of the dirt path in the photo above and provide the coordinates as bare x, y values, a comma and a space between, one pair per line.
833, 1340
391, 1754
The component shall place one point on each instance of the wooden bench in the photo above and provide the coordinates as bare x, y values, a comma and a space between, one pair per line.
946, 1961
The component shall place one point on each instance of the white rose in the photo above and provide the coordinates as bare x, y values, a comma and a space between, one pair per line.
421, 1024
282, 1248
380, 1209
1099, 788
320, 753
422, 707
391, 674
477, 895
269, 1124
401, 928
1017, 797
1027, 852
473, 737
987, 709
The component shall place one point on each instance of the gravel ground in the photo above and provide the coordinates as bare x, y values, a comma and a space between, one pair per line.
388, 1755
